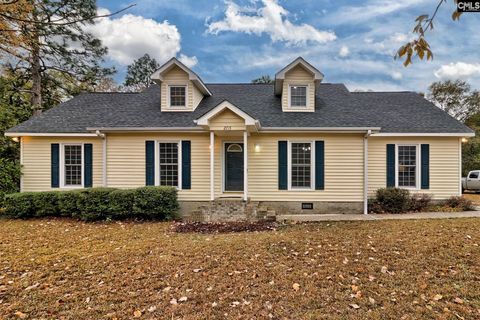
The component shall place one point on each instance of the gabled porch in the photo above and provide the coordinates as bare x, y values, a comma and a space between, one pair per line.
230, 129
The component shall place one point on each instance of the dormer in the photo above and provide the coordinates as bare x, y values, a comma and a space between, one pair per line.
181, 89
297, 84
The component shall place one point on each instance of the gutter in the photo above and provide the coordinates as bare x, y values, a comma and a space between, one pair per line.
365, 171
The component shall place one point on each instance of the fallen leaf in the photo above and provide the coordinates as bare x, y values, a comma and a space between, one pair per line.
384, 269
458, 300
32, 287
137, 314
197, 270
214, 304
173, 301
354, 306
152, 309
21, 315
437, 297
371, 300
296, 286
183, 299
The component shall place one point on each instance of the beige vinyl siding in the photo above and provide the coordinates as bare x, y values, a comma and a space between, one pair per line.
177, 76
444, 164
343, 168
36, 154
126, 162
298, 76
228, 119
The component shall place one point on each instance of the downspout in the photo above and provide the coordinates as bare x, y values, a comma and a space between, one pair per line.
365, 171
104, 156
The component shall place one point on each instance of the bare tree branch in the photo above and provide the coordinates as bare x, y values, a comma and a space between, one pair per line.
6, 16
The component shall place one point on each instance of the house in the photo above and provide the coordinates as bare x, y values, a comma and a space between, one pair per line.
297, 145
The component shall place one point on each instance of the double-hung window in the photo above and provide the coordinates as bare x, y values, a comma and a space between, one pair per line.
169, 164
301, 165
407, 166
178, 96
298, 96
72, 161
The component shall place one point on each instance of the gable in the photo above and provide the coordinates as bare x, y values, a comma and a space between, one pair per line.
227, 119
299, 73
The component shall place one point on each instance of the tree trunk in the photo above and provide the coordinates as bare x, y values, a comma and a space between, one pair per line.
36, 98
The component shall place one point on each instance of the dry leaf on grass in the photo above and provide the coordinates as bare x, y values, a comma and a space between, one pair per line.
137, 314
296, 286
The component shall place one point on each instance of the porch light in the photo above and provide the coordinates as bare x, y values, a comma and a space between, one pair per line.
257, 147
15, 139
464, 140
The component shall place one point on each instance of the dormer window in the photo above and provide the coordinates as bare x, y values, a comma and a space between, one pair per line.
178, 96
298, 96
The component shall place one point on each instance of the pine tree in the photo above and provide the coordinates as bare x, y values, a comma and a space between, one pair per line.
139, 72
48, 42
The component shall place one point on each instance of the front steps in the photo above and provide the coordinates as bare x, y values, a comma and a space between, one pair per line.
232, 209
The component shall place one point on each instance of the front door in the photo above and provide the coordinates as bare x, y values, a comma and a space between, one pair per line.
233, 166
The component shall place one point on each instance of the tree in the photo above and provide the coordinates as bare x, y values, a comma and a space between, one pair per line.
46, 38
455, 97
14, 108
263, 79
471, 149
139, 72
420, 46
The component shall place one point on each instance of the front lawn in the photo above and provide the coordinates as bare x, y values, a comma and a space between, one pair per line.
343, 270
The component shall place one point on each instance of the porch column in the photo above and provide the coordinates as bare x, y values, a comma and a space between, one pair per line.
212, 169
245, 166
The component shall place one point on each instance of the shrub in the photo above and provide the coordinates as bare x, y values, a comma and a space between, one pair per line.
393, 200
121, 204
2, 198
67, 203
457, 202
156, 202
45, 204
420, 202
19, 205
93, 203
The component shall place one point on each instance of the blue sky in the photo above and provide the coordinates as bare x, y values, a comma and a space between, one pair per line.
351, 42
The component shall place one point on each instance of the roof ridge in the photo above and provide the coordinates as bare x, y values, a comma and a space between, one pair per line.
403, 91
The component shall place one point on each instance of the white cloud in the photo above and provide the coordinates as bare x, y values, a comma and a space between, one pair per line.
368, 10
344, 51
457, 70
270, 19
188, 61
396, 75
130, 37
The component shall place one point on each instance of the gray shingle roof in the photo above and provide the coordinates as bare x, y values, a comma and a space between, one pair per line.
335, 107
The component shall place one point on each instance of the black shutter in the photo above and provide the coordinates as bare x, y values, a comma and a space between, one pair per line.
425, 163
319, 165
282, 165
149, 163
390, 165
55, 165
87, 169
186, 165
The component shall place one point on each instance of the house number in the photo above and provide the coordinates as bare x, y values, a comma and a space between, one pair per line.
227, 128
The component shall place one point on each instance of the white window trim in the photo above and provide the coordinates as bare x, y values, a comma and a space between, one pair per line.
312, 165
417, 166
306, 98
62, 166
157, 161
169, 93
